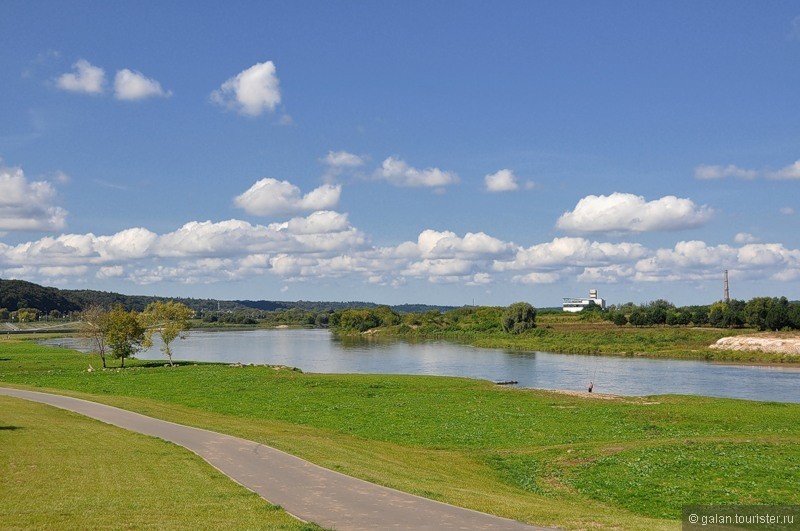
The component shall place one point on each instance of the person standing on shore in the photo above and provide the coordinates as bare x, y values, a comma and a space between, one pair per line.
591, 386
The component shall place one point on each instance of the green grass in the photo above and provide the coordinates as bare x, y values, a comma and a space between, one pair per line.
64, 471
535, 456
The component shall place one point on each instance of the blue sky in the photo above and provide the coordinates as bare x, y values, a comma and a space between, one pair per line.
435, 152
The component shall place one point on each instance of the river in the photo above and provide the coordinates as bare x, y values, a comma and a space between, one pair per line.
319, 351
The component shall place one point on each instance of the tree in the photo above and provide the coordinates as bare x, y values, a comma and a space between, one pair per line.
519, 317
94, 328
125, 335
756, 310
778, 316
170, 319
618, 317
638, 317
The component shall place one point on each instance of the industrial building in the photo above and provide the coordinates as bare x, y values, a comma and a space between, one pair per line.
576, 305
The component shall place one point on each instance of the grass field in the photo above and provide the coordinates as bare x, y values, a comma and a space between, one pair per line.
570, 461
65, 471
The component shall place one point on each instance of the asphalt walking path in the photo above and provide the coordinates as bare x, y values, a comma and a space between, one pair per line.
307, 491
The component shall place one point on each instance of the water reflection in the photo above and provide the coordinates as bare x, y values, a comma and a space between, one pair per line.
319, 351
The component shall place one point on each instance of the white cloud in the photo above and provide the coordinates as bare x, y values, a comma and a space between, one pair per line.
28, 206
607, 274
127, 244
789, 172
63, 271
252, 91
707, 172
572, 252
130, 85
787, 211
696, 260
338, 162
85, 78
269, 197
620, 212
537, 278
744, 237
435, 244
398, 173
320, 222
110, 272
501, 181
343, 159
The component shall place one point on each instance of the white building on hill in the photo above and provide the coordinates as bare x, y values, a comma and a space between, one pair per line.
576, 305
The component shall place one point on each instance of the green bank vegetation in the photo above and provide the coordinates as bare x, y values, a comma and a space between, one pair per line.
575, 461
662, 330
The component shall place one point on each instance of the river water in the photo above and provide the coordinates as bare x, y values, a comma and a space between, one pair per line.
318, 351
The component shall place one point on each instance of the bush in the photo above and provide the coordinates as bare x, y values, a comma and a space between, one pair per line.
519, 317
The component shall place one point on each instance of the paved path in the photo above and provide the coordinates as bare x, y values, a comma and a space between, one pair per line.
308, 491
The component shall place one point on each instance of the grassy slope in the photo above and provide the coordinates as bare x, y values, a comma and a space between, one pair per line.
63, 471
546, 458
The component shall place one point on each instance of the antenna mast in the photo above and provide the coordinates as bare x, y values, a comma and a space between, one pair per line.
727, 296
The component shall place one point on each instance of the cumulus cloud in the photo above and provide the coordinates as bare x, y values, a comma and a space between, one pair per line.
85, 78
789, 172
708, 172
269, 197
501, 181
435, 244
399, 173
786, 211
252, 91
130, 85
696, 260
28, 206
198, 251
620, 212
572, 252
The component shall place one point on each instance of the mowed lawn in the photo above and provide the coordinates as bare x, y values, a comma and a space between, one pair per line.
585, 461
61, 470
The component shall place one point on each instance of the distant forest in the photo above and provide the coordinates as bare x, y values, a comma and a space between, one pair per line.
16, 295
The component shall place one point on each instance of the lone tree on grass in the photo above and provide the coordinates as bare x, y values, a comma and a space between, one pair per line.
94, 328
126, 334
170, 319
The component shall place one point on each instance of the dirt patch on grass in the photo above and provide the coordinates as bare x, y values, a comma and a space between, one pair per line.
776, 343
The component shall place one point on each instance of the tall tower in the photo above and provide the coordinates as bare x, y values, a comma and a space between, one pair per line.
727, 295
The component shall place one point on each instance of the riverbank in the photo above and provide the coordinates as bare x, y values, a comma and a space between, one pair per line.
542, 457
568, 334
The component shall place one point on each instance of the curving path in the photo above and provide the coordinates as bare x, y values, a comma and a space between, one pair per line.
308, 491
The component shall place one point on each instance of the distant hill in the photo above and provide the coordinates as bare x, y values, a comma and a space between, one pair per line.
329, 305
16, 294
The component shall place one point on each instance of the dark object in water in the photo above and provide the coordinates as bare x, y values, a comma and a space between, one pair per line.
507, 382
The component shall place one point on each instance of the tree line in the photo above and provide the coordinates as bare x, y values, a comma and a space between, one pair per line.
514, 319
762, 313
